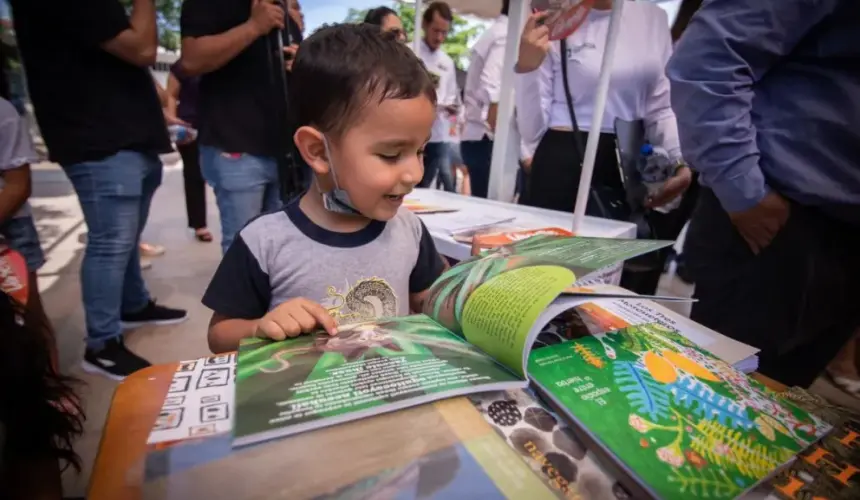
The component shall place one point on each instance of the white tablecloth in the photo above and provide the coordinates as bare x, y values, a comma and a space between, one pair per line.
527, 216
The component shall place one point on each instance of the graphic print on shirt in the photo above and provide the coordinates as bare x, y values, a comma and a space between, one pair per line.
368, 299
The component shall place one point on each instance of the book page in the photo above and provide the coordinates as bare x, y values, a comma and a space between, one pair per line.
298, 384
683, 422
499, 316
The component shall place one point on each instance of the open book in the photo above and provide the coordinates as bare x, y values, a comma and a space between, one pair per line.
481, 318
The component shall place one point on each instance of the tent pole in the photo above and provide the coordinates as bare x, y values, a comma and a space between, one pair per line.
597, 121
506, 140
416, 26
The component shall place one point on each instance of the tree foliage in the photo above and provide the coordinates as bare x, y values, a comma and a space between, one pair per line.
457, 44
167, 17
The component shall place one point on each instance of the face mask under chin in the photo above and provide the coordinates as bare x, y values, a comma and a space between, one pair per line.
337, 200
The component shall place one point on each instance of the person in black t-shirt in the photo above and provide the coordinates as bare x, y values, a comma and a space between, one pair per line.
97, 108
227, 42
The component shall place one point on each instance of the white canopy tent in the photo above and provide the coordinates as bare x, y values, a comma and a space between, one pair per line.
506, 148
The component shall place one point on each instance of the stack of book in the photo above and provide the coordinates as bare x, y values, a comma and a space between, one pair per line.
596, 393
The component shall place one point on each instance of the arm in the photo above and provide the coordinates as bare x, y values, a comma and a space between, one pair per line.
225, 333
174, 86
15, 192
162, 94
138, 44
16, 154
429, 266
729, 46
533, 117
207, 45
661, 127
491, 79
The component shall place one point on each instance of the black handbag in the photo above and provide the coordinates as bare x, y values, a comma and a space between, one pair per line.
624, 203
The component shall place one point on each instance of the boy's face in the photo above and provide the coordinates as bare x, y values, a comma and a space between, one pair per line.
379, 160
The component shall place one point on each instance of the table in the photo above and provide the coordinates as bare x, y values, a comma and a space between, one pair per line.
530, 216
119, 468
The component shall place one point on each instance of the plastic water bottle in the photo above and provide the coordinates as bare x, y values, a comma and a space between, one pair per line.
180, 134
658, 169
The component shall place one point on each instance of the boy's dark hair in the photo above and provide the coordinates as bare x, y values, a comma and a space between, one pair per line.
377, 15
341, 68
506, 6
38, 406
440, 8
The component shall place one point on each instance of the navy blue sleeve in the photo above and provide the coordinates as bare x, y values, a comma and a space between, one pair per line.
429, 265
240, 288
92, 22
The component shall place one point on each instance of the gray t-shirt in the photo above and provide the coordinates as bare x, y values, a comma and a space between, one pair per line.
16, 147
356, 276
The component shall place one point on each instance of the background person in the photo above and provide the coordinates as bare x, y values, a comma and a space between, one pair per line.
388, 20
436, 23
227, 43
481, 101
638, 90
769, 116
108, 150
182, 97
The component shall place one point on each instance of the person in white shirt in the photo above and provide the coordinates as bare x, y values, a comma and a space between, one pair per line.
436, 23
481, 101
638, 90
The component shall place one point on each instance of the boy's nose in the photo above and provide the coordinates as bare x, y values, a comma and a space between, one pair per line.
413, 173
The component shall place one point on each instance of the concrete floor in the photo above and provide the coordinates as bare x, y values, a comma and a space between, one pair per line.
178, 278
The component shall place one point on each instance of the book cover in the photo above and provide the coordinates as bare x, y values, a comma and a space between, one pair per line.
827, 470
682, 422
481, 242
423, 208
366, 368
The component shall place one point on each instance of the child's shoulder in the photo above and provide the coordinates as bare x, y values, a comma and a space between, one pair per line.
407, 221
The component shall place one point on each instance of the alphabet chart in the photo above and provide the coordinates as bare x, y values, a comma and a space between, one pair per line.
199, 402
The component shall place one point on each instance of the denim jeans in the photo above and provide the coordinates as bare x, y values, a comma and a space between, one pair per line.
437, 160
245, 186
478, 156
115, 194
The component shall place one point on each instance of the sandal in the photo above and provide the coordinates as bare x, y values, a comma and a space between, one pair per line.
150, 250
203, 235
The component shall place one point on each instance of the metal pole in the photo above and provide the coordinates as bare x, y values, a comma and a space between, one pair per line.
597, 121
506, 140
416, 26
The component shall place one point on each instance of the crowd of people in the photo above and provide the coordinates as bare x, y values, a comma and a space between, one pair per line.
366, 119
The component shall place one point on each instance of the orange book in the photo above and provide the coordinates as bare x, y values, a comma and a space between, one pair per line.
483, 242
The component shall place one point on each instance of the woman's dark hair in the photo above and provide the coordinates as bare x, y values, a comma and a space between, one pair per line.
377, 16
506, 6
341, 68
440, 8
38, 406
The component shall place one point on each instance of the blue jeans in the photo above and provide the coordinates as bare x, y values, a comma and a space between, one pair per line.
115, 194
245, 186
478, 156
21, 234
437, 160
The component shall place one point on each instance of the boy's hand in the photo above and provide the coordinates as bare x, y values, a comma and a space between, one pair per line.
294, 317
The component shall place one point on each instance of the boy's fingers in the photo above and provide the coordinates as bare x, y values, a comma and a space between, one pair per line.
270, 330
322, 317
306, 321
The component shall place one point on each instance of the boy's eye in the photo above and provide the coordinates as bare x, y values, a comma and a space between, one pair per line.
389, 157
421, 152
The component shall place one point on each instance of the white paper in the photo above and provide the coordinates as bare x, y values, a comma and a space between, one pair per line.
199, 401
464, 220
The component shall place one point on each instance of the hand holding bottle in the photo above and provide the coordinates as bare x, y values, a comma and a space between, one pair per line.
534, 43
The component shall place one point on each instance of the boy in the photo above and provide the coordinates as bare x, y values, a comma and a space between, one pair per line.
16, 222
346, 251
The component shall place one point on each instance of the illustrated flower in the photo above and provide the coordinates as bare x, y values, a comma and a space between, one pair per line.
695, 459
638, 423
671, 455
722, 449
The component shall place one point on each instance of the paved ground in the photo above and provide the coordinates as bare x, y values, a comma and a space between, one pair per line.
178, 279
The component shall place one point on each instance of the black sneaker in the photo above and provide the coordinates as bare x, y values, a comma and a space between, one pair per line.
153, 314
114, 360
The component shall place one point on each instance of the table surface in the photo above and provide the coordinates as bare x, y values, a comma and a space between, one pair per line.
527, 216
120, 464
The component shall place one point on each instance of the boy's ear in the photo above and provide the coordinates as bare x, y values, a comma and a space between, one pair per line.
310, 143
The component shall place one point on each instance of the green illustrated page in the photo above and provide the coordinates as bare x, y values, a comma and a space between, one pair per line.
364, 366
581, 256
684, 423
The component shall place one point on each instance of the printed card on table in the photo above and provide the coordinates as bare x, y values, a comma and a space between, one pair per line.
199, 401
